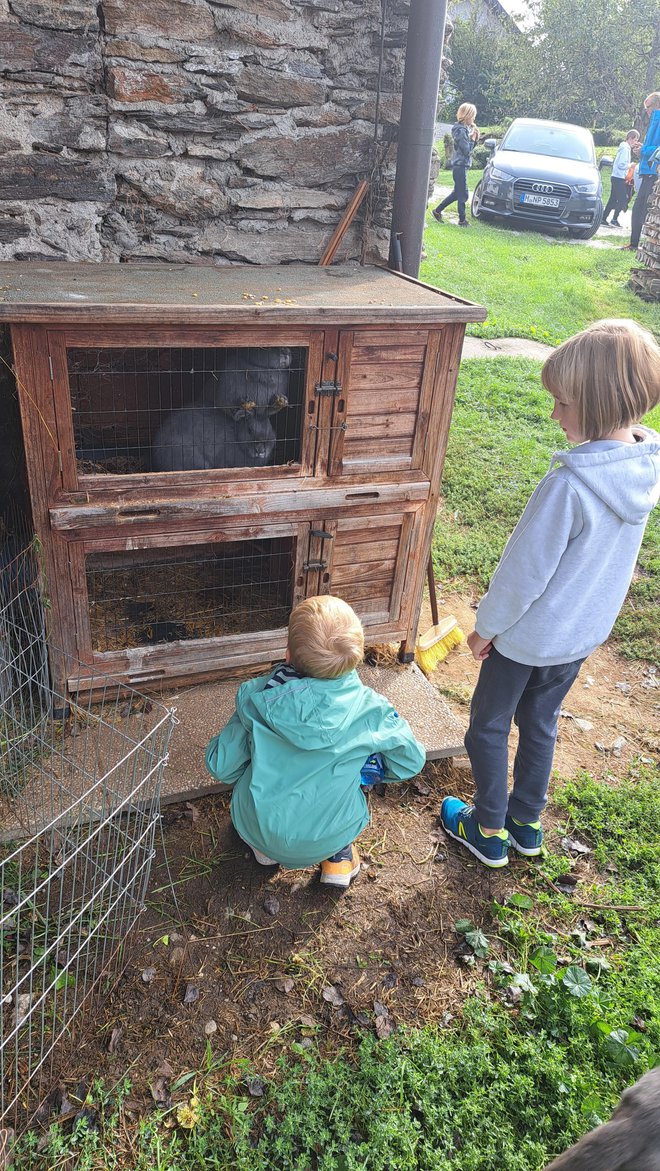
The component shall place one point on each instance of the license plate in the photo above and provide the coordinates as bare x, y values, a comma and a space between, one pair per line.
539, 200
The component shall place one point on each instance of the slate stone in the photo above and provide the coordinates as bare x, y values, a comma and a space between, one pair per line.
11, 229
185, 20
327, 155
43, 177
24, 49
72, 15
145, 85
279, 87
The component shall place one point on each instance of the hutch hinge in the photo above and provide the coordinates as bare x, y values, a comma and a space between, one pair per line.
309, 565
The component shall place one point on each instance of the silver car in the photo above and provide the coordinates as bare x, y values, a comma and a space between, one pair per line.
543, 174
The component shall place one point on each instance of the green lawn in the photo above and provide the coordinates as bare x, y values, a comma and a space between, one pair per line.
532, 286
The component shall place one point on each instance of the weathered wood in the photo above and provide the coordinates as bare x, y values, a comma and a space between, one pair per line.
344, 224
188, 294
357, 509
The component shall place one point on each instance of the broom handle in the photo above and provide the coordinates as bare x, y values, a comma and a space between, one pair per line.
432, 594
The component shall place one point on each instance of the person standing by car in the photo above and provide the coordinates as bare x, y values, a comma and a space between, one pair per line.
618, 200
649, 168
464, 135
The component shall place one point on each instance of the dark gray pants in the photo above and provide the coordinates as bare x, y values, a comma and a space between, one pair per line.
532, 696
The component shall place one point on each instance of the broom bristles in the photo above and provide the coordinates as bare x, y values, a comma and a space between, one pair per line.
428, 657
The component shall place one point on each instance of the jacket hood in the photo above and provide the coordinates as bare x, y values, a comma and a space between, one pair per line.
625, 476
300, 712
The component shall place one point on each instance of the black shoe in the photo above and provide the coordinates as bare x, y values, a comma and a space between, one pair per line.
463, 224
614, 224
437, 214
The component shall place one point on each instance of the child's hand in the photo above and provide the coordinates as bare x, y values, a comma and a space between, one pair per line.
480, 647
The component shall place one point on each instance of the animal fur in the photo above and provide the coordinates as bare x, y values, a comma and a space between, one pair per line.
630, 1141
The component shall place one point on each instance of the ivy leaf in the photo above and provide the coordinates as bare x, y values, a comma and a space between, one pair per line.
521, 980
576, 981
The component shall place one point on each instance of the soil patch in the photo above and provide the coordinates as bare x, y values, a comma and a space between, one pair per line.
232, 960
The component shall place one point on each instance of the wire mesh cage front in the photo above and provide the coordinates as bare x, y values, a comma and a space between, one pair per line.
79, 806
194, 592
169, 409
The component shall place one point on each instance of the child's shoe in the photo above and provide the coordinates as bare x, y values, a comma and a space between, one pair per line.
341, 873
459, 821
263, 859
526, 839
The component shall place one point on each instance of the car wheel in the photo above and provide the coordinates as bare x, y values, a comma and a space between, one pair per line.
475, 206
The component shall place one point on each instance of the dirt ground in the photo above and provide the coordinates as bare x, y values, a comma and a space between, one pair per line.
238, 960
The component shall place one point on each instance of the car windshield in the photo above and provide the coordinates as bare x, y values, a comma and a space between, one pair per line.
560, 142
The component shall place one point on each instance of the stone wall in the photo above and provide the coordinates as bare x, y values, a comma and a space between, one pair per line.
231, 131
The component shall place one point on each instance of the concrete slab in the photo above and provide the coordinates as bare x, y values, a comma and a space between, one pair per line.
202, 710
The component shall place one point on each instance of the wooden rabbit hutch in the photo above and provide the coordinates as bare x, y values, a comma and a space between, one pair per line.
207, 446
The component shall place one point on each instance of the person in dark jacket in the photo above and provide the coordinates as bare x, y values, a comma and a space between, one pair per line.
649, 168
464, 135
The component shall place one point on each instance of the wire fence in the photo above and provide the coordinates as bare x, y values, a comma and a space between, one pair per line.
79, 808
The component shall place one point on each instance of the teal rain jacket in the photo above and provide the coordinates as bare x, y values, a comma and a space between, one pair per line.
293, 754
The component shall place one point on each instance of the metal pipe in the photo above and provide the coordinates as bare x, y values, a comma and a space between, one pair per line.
426, 29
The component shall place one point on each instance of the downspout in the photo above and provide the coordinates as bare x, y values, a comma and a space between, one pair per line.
419, 102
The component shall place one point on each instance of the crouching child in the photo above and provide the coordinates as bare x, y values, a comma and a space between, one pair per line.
295, 746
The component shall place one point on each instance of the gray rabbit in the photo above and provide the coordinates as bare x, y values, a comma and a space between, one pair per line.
630, 1141
230, 427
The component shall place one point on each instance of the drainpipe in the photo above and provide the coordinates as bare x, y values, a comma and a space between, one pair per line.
426, 29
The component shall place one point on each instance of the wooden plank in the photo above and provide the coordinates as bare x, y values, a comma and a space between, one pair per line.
378, 337
340, 404
208, 294
370, 429
204, 337
359, 453
42, 454
344, 223
367, 401
386, 375
329, 376
395, 347
79, 518
348, 551
432, 392
344, 573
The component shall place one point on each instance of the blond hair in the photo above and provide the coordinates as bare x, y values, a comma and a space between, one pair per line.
326, 638
653, 100
610, 371
466, 111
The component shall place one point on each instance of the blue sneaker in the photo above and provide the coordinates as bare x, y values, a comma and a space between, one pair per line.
459, 821
526, 839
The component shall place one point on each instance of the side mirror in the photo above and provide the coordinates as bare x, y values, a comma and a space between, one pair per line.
606, 161
490, 143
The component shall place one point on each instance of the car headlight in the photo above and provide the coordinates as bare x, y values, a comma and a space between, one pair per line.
503, 176
587, 188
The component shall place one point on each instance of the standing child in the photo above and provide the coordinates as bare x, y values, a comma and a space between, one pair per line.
294, 748
561, 580
464, 135
619, 198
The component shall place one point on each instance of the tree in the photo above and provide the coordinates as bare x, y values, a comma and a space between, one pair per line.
584, 61
476, 71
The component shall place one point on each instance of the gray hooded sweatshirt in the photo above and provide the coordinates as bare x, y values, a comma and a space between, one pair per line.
566, 568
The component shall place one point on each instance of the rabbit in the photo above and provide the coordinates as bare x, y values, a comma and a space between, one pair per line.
630, 1141
194, 438
250, 375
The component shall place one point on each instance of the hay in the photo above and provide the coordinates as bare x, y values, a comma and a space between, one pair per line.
163, 603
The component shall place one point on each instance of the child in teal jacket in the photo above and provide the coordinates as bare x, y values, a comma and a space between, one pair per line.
294, 748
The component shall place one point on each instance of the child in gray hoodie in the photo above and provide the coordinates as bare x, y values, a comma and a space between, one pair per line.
561, 581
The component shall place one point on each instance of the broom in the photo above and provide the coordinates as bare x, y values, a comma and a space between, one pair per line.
434, 646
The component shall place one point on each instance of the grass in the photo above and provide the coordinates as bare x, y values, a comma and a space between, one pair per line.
533, 286
566, 1013
500, 445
